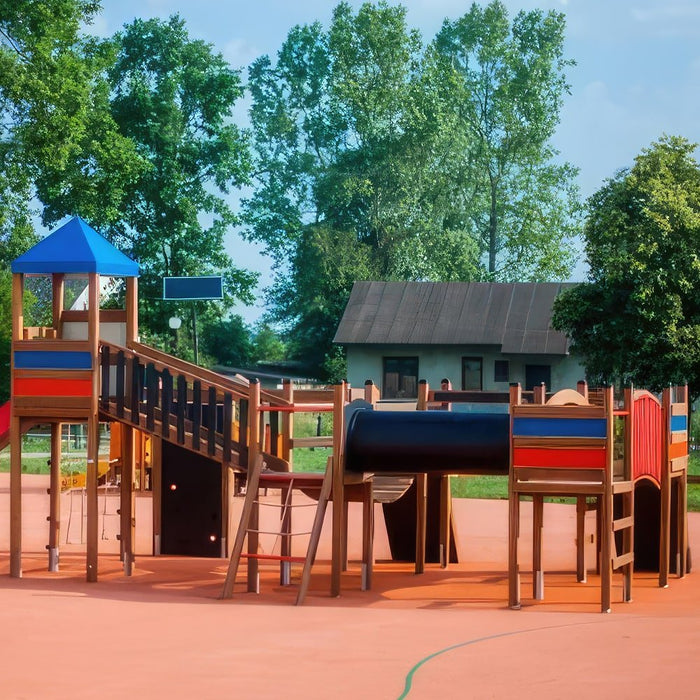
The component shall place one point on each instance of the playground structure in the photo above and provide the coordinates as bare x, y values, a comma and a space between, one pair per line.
215, 432
591, 447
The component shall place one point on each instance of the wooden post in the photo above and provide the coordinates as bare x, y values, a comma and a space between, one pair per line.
537, 531
338, 541
226, 495
288, 424
55, 497
132, 310
15, 498
421, 520
665, 534
93, 428
607, 509
628, 497
16, 440
581, 508
445, 519
423, 391
254, 452
58, 287
126, 507
157, 489
513, 513
371, 392
367, 533
539, 393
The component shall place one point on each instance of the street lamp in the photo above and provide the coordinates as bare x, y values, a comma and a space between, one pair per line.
174, 322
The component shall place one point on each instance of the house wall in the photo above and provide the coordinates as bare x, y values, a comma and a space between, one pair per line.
435, 362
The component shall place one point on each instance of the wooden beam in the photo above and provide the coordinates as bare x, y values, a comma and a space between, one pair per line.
17, 306
126, 493
156, 487
93, 429
55, 497
15, 498
58, 287
132, 310
338, 492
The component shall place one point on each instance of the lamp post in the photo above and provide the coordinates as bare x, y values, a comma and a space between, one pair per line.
174, 322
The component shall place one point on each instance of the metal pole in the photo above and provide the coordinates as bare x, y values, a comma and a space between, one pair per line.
194, 332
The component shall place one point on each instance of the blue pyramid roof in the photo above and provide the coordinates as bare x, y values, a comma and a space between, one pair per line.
75, 247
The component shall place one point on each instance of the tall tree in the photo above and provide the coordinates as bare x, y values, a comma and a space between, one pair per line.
59, 141
52, 101
502, 86
173, 97
368, 166
638, 316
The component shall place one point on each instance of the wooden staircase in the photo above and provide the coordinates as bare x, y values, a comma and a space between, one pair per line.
180, 402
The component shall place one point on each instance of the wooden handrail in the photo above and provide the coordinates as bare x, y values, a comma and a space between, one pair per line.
192, 372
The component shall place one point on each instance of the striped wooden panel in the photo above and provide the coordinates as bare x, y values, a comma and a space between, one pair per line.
51, 387
647, 441
679, 423
558, 442
679, 463
544, 411
677, 449
560, 427
68, 406
570, 458
36, 359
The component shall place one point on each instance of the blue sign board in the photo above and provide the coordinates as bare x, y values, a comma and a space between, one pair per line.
193, 288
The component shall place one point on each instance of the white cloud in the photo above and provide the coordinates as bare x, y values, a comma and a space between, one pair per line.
239, 52
667, 19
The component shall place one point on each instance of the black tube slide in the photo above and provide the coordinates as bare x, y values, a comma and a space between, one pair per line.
436, 442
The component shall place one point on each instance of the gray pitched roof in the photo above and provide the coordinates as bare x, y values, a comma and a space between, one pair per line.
514, 316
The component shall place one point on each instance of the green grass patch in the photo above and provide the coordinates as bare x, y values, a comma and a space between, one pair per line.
311, 460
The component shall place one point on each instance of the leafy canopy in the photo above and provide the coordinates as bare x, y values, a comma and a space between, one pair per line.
638, 316
377, 157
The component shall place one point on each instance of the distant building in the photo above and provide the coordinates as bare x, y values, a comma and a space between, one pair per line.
480, 336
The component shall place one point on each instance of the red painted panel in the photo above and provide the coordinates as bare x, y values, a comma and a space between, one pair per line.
647, 446
52, 387
677, 449
566, 458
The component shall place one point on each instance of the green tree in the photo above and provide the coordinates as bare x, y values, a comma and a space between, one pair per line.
51, 100
638, 316
501, 87
173, 97
228, 342
369, 165
267, 345
59, 142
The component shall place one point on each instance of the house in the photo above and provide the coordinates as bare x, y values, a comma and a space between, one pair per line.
480, 336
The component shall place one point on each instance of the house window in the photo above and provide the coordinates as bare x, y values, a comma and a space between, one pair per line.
400, 378
501, 371
536, 375
471, 373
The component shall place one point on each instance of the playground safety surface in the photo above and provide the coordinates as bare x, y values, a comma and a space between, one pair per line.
163, 633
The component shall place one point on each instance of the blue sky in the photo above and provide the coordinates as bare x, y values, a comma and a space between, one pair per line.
637, 74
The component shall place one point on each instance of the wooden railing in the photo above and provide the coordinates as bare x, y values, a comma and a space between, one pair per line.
176, 400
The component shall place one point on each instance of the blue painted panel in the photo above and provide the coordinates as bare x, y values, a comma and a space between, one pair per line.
40, 359
679, 424
560, 427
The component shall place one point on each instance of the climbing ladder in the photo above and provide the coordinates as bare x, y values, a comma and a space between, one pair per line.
314, 484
